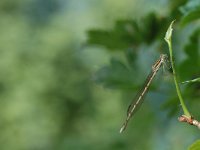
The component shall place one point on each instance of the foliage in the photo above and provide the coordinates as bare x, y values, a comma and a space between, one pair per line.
129, 33
191, 12
48, 98
127, 36
195, 145
132, 37
191, 63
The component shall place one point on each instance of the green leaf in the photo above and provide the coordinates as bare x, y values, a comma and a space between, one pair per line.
195, 145
191, 16
191, 5
128, 33
121, 37
116, 75
168, 34
189, 68
113, 40
131, 57
191, 12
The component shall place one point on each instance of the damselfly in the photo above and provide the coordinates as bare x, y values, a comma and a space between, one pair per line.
139, 98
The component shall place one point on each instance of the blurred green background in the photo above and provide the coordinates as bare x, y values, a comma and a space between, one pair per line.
69, 69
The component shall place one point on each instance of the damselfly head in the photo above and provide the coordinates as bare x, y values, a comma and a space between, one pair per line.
165, 61
163, 57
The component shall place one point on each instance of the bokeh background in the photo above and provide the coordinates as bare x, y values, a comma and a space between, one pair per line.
70, 68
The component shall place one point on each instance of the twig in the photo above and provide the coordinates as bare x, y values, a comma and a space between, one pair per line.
189, 120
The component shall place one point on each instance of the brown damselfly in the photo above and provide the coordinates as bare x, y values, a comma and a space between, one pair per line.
139, 98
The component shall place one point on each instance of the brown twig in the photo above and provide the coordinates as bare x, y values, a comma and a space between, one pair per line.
189, 120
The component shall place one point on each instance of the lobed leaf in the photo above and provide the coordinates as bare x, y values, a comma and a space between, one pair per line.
128, 33
116, 75
189, 68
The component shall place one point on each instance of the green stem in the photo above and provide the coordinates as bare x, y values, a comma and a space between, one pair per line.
185, 110
168, 40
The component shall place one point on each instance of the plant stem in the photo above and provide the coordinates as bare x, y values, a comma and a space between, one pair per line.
185, 110
168, 40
